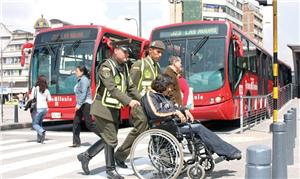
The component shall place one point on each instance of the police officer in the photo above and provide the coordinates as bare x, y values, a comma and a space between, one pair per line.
115, 89
142, 72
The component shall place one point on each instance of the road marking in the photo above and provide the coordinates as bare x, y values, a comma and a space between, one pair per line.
39, 160
48, 133
43, 148
11, 141
22, 145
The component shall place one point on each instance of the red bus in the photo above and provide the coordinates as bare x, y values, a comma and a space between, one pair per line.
56, 53
220, 64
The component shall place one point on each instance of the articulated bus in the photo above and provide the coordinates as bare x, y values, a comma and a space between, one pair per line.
220, 63
56, 53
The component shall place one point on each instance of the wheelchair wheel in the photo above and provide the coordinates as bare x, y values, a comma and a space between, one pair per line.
208, 164
195, 171
156, 154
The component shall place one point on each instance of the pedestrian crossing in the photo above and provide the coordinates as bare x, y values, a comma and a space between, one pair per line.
22, 157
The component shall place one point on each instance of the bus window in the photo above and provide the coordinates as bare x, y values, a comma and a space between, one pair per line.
252, 57
73, 55
42, 63
245, 60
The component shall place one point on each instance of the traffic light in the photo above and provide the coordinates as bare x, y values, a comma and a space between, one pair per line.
262, 2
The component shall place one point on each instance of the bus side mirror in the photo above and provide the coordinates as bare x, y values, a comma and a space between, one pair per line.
26, 50
239, 51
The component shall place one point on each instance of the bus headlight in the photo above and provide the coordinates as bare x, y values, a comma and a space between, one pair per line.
218, 99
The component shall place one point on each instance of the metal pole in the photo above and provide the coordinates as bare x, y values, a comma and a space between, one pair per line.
275, 63
16, 116
241, 114
175, 11
140, 18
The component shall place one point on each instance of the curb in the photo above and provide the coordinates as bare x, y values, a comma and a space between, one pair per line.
15, 126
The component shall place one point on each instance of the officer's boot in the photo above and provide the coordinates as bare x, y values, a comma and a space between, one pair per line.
86, 156
110, 163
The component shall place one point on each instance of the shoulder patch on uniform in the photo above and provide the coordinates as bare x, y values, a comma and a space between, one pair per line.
105, 72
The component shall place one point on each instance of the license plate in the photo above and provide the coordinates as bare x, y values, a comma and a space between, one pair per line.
56, 115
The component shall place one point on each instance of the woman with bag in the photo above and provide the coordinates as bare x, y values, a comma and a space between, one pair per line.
83, 105
39, 97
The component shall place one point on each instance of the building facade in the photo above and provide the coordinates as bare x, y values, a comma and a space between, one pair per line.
229, 10
15, 77
253, 22
188, 10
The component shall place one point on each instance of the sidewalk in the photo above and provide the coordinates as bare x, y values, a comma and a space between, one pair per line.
24, 118
257, 135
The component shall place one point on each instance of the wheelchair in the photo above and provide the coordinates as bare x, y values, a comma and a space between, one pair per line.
159, 152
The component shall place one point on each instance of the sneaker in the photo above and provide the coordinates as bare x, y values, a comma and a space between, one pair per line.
43, 137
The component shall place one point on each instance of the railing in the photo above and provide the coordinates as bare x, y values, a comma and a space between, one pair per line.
254, 109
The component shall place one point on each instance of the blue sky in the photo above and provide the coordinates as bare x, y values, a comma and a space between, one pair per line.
21, 14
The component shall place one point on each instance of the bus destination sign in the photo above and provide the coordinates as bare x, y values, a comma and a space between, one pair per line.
192, 30
66, 35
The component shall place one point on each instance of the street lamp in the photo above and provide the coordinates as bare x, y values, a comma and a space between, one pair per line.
175, 2
137, 26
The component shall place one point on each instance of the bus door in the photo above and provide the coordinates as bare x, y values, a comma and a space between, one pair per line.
259, 57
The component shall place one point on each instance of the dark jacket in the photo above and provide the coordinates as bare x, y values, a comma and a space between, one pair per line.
157, 106
175, 94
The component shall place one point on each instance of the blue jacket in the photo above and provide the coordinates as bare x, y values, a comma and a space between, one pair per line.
82, 91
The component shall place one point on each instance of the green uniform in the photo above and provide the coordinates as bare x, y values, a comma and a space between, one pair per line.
115, 90
143, 72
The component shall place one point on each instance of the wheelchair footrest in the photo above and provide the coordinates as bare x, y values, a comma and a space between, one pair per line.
219, 159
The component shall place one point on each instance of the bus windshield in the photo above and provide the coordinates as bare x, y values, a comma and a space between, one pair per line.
202, 50
204, 69
58, 61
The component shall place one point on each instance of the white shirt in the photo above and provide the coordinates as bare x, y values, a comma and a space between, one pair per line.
41, 98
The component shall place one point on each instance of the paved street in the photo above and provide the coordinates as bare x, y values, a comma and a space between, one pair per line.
22, 157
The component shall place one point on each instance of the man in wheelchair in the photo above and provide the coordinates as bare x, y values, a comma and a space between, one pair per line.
159, 108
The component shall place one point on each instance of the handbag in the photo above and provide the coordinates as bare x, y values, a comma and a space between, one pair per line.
31, 104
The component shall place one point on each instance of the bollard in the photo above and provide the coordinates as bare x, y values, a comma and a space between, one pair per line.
279, 167
258, 162
295, 121
292, 112
16, 116
288, 119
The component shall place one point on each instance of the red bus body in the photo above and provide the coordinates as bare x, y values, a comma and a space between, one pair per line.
62, 106
206, 106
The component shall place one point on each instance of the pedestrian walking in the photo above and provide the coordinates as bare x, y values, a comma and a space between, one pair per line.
42, 95
83, 105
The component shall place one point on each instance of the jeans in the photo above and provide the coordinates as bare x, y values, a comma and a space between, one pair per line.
213, 142
37, 117
84, 112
